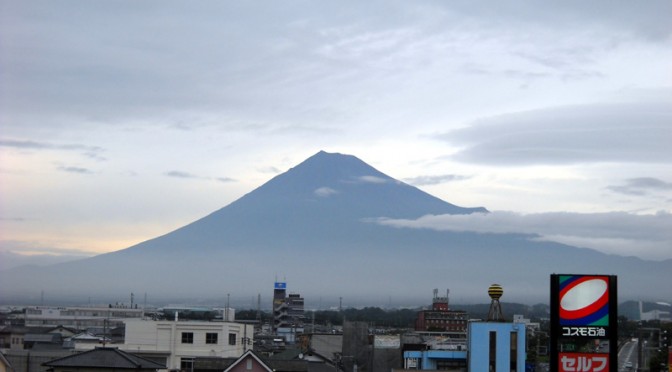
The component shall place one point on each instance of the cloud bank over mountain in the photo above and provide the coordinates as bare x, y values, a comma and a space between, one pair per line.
619, 233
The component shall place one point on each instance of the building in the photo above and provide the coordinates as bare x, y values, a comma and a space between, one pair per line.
80, 317
424, 351
496, 345
177, 343
440, 318
656, 314
288, 313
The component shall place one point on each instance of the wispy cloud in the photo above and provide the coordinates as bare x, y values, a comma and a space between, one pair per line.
621, 233
78, 170
88, 151
34, 247
188, 175
372, 179
180, 174
325, 192
435, 180
641, 186
15, 254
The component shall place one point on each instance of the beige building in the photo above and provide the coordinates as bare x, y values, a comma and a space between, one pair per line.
178, 343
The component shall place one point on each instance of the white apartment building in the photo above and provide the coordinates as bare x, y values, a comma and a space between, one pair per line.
177, 343
79, 317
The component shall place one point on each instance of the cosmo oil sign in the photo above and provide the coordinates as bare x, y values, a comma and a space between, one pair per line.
583, 322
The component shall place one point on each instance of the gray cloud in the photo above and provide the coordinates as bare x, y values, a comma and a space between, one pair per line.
171, 59
187, 175
634, 132
91, 151
641, 186
435, 180
78, 170
622, 233
180, 174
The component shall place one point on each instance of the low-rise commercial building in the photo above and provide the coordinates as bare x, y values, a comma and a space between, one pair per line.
178, 343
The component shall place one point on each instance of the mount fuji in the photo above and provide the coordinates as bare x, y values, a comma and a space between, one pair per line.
316, 226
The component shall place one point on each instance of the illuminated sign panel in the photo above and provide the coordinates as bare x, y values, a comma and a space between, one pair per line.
584, 300
583, 318
280, 285
584, 362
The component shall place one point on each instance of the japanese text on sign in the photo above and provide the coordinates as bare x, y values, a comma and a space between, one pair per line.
575, 362
584, 332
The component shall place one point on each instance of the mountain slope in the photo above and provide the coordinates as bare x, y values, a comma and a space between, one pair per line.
314, 225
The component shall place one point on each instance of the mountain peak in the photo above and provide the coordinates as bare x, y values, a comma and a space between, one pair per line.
340, 184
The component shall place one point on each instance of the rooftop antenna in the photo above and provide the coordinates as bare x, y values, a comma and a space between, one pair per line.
104, 331
259, 309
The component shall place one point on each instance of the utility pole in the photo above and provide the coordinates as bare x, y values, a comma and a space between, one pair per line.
226, 311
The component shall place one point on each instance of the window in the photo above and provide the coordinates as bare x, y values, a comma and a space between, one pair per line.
210, 338
232, 338
187, 364
187, 337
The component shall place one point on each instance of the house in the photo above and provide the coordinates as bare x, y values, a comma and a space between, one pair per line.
5, 366
42, 341
21, 337
249, 362
252, 362
85, 341
103, 359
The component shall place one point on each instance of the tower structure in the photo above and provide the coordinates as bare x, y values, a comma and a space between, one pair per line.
495, 313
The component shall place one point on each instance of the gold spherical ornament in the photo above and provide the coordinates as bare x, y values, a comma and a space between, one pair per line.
495, 291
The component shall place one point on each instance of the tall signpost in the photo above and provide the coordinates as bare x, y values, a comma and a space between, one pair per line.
584, 323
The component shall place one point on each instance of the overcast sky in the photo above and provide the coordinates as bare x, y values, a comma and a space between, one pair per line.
123, 120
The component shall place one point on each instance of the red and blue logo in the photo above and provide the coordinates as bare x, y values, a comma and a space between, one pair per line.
584, 300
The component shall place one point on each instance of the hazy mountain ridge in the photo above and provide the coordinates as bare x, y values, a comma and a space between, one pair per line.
313, 225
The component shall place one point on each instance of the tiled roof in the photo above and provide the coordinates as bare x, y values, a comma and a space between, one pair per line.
105, 357
42, 337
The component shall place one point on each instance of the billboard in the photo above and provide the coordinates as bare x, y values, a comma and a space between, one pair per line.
584, 322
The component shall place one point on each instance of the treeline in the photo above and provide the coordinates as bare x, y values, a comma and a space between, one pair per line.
401, 318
